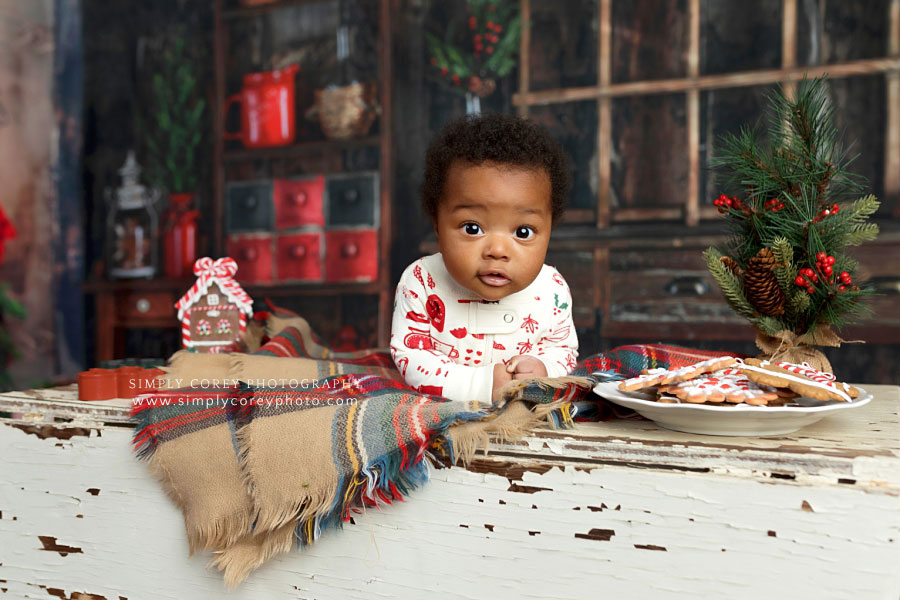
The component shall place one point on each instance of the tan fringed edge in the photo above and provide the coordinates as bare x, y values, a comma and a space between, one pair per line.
265, 518
247, 554
509, 425
215, 535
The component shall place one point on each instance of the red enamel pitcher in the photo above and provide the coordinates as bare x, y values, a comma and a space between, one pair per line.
267, 108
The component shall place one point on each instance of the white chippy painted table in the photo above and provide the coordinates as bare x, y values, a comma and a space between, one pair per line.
618, 509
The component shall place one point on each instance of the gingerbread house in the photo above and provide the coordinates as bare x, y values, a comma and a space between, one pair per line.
213, 313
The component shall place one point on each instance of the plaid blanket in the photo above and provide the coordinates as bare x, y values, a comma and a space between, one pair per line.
263, 452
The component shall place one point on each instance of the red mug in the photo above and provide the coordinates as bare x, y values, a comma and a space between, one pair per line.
267, 108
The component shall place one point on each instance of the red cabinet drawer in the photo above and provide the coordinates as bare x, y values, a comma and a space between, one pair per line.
299, 257
298, 202
253, 256
351, 255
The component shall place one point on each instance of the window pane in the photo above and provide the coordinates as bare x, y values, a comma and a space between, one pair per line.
740, 36
650, 39
649, 162
563, 51
726, 111
860, 116
838, 31
574, 125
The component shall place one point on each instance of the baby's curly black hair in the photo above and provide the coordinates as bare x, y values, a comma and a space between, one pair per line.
503, 139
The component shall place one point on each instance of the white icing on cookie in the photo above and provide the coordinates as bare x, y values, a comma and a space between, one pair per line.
760, 369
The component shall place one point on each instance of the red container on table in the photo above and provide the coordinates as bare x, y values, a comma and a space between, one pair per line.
267, 108
180, 237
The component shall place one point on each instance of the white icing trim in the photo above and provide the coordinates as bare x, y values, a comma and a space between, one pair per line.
797, 379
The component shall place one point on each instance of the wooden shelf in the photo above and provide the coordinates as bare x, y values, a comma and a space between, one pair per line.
300, 148
300, 288
137, 285
243, 12
312, 288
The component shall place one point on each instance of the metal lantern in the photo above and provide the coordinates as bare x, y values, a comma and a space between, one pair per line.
132, 226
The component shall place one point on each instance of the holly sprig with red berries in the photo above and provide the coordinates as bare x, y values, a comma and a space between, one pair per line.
470, 56
786, 267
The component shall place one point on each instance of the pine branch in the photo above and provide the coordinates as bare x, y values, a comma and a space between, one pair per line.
769, 325
731, 286
784, 267
857, 214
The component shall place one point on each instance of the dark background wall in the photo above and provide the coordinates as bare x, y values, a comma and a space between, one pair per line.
120, 35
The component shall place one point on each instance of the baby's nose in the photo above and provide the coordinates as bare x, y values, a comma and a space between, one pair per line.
496, 247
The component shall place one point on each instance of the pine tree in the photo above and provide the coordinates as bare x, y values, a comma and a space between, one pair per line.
785, 267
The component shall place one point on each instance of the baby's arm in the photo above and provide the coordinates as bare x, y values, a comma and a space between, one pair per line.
422, 367
557, 348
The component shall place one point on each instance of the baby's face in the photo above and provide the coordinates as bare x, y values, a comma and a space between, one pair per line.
493, 227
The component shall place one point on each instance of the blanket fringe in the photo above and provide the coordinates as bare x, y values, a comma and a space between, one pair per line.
246, 554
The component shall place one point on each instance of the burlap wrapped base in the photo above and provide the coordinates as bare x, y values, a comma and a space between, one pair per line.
787, 346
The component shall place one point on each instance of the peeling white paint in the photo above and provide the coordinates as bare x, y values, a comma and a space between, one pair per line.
623, 478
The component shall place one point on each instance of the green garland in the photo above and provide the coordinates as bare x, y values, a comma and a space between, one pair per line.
469, 57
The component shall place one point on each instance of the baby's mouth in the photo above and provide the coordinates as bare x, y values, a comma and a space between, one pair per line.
493, 278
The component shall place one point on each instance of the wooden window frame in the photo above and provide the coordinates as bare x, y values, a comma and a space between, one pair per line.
691, 211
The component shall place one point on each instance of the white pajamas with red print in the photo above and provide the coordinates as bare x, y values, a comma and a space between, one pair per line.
445, 339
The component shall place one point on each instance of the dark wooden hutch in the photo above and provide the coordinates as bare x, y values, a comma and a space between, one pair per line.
124, 305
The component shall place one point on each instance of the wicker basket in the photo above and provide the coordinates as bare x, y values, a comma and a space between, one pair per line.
345, 112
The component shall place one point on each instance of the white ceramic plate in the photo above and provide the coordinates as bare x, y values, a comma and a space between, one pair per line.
740, 419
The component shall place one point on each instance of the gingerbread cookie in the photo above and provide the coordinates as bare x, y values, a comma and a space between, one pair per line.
727, 385
794, 377
654, 377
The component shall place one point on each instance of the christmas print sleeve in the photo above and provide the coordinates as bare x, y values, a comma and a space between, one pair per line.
423, 367
557, 347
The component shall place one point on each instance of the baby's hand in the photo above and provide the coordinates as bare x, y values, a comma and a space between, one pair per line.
501, 378
526, 367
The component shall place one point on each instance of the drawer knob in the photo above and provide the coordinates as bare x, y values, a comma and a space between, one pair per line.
250, 202
349, 250
142, 305
248, 253
299, 199
351, 196
298, 251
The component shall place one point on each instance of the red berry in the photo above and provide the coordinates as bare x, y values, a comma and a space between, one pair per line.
443, 70
807, 271
498, 28
835, 209
800, 281
815, 278
820, 256
843, 288
810, 290
433, 60
489, 49
828, 270
473, 22
455, 79
490, 24
845, 277
477, 37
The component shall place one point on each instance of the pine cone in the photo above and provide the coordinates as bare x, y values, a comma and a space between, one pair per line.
761, 285
732, 265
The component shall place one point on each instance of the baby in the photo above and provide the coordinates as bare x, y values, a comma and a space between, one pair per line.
486, 309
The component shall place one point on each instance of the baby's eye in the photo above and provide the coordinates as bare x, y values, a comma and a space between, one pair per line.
472, 229
524, 232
